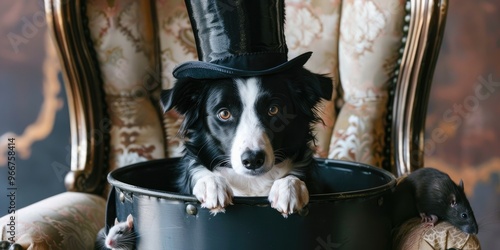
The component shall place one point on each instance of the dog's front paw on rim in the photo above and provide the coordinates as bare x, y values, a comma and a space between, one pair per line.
288, 195
214, 193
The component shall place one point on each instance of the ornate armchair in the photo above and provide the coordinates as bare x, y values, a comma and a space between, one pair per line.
117, 55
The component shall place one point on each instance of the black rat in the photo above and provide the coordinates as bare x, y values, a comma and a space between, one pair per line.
120, 236
432, 195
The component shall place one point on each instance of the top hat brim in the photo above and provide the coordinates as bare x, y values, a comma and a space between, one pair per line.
207, 70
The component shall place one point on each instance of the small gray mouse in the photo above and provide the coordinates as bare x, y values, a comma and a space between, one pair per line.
432, 195
120, 236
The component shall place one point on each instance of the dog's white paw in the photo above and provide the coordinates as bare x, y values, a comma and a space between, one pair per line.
288, 195
214, 193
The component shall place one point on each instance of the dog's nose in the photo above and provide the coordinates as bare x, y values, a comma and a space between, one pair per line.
253, 159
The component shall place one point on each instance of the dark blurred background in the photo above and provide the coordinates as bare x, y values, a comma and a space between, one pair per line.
462, 129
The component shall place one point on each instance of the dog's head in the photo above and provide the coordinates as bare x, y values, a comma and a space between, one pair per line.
249, 124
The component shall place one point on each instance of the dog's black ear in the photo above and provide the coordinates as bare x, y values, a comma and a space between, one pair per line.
166, 99
183, 96
326, 86
318, 86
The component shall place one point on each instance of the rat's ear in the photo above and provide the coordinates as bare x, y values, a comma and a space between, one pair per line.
453, 200
461, 184
116, 221
130, 221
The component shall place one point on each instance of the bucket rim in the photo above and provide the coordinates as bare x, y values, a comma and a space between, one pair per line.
256, 200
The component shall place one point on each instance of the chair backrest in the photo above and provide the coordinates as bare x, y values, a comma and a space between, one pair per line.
118, 55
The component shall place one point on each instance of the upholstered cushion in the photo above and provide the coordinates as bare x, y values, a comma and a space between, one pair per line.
65, 221
314, 26
370, 38
124, 49
413, 235
359, 133
177, 45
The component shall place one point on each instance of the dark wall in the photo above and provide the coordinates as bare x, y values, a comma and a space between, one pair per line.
33, 107
463, 122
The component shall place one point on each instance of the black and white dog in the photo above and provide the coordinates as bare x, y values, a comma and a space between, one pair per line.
248, 136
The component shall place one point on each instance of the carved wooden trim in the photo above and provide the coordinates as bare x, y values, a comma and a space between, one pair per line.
425, 25
89, 121
89, 118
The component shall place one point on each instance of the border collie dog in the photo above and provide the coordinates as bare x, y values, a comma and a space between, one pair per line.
248, 137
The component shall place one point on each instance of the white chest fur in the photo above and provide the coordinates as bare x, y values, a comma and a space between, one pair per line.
246, 185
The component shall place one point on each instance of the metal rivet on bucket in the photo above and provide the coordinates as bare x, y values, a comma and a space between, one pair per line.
122, 197
191, 209
381, 201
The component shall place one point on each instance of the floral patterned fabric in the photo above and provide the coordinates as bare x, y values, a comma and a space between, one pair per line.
314, 26
413, 235
177, 46
124, 50
69, 220
352, 141
369, 42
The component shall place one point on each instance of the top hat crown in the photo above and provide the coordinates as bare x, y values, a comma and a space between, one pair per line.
238, 38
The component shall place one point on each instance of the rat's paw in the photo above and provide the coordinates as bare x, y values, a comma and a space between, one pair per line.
429, 220
288, 195
214, 193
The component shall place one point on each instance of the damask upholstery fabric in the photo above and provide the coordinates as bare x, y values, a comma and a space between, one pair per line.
369, 43
69, 220
314, 26
124, 55
413, 235
177, 45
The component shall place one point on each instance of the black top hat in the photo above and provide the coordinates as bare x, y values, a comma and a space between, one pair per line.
238, 38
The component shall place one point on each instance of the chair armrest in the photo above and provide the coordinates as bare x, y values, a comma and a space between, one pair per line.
68, 220
415, 235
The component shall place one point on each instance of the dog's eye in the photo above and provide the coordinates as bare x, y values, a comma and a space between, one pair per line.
273, 110
224, 114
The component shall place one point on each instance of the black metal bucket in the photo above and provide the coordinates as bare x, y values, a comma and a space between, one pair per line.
353, 216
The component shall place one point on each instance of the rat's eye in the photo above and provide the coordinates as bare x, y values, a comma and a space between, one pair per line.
273, 110
224, 114
119, 232
464, 216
